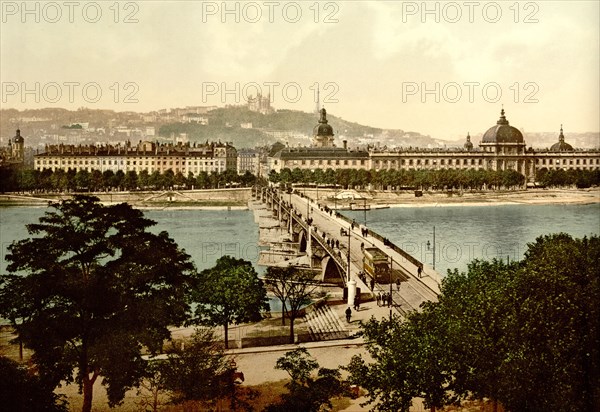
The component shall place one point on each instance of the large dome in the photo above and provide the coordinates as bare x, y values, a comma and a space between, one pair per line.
502, 132
323, 129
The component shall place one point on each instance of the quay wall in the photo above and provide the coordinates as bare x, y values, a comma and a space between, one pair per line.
209, 197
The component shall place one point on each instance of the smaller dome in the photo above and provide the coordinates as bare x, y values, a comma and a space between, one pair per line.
323, 129
561, 146
468, 144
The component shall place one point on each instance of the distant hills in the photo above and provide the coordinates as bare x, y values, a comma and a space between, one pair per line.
239, 125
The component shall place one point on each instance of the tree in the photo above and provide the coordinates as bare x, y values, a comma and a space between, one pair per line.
195, 370
390, 380
229, 293
293, 287
306, 393
524, 334
90, 288
23, 390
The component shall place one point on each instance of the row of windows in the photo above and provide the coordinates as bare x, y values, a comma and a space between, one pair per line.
431, 162
139, 169
428, 162
128, 162
564, 161
325, 162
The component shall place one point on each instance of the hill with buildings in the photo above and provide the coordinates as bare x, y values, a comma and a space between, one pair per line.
243, 126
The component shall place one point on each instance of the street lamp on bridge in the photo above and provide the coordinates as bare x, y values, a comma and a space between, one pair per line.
429, 247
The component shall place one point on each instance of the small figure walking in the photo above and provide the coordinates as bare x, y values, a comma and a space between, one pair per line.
398, 283
419, 270
372, 283
390, 301
378, 299
357, 303
384, 300
348, 314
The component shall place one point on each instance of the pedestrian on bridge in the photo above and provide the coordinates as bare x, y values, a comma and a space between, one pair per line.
383, 299
357, 303
378, 297
348, 314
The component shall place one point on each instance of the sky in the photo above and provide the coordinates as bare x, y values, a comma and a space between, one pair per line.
443, 69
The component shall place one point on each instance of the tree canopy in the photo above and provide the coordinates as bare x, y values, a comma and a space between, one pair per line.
229, 293
90, 288
525, 334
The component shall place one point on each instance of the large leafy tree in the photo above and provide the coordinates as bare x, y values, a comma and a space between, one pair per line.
524, 334
90, 288
230, 293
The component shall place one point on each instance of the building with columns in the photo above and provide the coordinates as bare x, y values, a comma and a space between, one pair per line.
502, 147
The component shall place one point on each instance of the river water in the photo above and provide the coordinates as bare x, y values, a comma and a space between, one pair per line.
462, 232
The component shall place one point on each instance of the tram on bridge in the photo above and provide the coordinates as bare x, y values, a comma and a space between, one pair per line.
376, 264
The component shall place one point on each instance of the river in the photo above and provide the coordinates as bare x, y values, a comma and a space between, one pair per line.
462, 232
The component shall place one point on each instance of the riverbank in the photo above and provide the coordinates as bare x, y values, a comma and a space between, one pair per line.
212, 199
237, 199
382, 199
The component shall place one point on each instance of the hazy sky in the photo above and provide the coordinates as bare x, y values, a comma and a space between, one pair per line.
372, 59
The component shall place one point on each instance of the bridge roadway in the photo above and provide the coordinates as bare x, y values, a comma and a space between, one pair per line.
412, 291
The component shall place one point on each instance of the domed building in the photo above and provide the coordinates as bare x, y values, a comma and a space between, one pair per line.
14, 154
561, 146
323, 132
468, 145
503, 138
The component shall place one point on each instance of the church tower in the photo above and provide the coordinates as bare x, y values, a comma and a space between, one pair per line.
18, 147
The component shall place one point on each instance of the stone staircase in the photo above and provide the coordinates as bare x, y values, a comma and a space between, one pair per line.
324, 324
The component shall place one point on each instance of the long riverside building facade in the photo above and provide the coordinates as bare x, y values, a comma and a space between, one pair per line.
148, 156
502, 147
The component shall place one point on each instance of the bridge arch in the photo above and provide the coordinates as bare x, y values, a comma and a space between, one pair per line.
302, 241
331, 272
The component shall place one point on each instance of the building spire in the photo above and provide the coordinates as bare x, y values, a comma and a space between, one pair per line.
502, 120
561, 136
317, 103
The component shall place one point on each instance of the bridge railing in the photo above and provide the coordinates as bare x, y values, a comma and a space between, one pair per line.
394, 247
336, 256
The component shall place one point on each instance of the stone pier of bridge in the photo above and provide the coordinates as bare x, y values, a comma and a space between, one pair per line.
301, 232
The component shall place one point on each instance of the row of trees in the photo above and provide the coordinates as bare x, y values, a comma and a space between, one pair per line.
71, 180
524, 334
413, 179
561, 178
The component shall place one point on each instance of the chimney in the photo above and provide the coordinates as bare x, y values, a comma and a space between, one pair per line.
345, 144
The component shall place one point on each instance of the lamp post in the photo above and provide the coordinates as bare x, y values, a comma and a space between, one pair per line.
390, 301
350, 284
349, 233
429, 247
